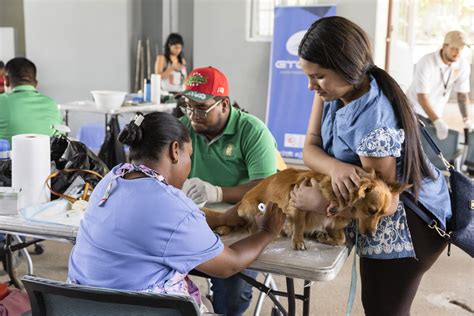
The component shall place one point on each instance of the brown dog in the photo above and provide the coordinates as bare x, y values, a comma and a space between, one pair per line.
370, 202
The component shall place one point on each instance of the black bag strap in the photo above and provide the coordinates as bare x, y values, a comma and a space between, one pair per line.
407, 199
415, 208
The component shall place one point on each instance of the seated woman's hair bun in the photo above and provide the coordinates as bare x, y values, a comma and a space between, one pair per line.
131, 134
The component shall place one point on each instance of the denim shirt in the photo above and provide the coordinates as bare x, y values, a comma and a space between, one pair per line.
369, 127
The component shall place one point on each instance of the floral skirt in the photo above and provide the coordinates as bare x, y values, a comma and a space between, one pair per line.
392, 239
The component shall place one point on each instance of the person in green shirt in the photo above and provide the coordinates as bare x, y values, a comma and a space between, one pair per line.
232, 152
23, 110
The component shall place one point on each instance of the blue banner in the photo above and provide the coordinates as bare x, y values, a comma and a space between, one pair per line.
289, 100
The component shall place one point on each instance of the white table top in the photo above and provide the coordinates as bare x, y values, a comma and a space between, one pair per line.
89, 106
16, 224
319, 263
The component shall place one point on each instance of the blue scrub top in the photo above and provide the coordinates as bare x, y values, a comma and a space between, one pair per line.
144, 234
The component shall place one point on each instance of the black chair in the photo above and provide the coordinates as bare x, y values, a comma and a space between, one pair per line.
53, 298
448, 146
469, 158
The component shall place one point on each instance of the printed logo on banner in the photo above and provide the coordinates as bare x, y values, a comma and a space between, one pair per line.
294, 41
294, 140
289, 100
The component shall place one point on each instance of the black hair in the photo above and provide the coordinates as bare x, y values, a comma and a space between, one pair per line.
20, 70
2, 65
148, 140
341, 45
173, 39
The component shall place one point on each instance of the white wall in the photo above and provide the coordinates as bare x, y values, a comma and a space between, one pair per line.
80, 45
11, 15
7, 43
219, 40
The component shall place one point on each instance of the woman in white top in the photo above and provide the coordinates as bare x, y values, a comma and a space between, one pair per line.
172, 65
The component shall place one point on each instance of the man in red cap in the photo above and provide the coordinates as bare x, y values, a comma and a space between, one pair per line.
232, 152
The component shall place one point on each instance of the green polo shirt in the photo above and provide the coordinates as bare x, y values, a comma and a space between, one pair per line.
24, 110
245, 151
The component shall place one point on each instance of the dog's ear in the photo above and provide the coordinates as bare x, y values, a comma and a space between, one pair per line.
366, 186
397, 188
370, 173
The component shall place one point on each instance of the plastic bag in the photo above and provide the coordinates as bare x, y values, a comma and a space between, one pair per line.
5, 173
70, 154
112, 151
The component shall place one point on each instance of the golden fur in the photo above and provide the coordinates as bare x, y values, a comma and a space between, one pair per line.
371, 201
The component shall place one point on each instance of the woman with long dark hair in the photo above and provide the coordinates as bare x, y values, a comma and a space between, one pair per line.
361, 119
172, 65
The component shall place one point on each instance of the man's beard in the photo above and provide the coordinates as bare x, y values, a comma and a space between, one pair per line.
213, 130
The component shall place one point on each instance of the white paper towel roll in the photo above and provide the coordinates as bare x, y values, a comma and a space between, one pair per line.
31, 165
155, 88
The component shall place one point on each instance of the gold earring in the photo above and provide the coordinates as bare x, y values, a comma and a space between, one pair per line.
175, 161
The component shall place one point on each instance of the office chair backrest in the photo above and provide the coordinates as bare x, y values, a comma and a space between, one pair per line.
53, 298
448, 146
470, 151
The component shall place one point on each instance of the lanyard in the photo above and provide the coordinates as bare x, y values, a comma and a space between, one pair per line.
445, 84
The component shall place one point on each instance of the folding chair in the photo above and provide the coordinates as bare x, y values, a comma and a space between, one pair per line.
54, 298
469, 154
92, 134
449, 148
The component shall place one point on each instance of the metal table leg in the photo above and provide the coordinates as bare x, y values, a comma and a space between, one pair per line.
8, 251
9, 262
261, 297
290, 286
26, 255
307, 296
268, 291
272, 293
66, 117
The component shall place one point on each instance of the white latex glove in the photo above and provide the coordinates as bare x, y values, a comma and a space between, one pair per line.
441, 129
201, 191
469, 125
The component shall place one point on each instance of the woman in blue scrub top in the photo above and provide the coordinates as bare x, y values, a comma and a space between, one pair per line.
362, 119
140, 232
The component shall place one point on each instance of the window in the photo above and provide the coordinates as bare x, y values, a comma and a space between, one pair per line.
260, 19
450, 15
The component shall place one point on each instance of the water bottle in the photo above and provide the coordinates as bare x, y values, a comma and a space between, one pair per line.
147, 90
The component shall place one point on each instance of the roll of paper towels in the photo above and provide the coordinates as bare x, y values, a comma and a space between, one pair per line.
155, 88
31, 166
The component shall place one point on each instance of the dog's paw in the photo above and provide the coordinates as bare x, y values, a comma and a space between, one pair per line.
223, 230
331, 241
299, 245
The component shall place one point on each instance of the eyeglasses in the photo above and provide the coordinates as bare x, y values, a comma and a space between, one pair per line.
197, 113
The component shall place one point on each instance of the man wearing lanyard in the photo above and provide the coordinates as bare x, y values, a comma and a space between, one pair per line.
23, 109
436, 74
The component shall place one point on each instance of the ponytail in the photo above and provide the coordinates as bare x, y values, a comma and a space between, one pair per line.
415, 166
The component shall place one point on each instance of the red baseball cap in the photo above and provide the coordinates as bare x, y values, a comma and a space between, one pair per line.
206, 83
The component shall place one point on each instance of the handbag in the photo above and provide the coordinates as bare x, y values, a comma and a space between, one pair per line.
69, 154
86, 189
460, 228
